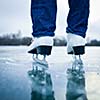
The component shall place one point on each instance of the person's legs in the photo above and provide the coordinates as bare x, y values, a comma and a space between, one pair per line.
43, 14
77, 24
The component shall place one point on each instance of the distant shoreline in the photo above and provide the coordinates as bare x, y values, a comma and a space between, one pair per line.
17, 40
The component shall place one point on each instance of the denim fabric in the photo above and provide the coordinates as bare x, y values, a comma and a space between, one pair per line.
78, 17
43, 14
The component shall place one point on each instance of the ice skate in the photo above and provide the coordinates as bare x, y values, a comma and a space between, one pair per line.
41, 46
75, 44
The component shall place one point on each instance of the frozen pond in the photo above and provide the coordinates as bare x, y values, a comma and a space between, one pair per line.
15, 62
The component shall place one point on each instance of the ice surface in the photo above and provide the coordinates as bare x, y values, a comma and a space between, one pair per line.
15, 62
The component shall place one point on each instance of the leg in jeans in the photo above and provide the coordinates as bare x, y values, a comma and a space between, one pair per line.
77, 22
43, 14
78, 17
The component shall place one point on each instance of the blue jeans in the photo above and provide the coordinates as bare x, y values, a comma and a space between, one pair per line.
43, 14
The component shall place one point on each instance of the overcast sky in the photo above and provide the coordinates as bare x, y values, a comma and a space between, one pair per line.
15, 15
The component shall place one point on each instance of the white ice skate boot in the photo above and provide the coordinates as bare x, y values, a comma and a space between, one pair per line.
41, 45
75, 44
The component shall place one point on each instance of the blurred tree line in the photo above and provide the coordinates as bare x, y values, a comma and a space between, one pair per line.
16, 39
93, 43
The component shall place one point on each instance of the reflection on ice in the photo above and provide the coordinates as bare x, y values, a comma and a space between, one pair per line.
41, 87
76, 85
41, 90
76, 81
15, 85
